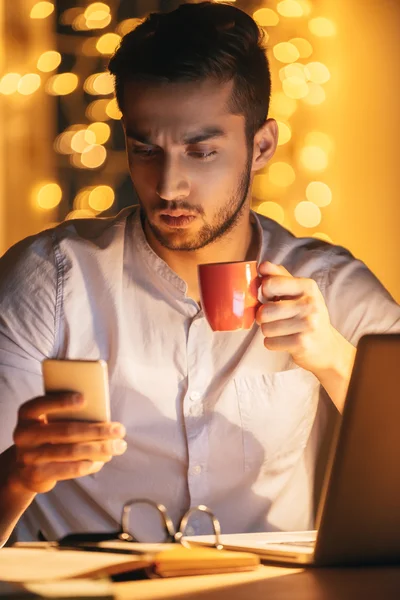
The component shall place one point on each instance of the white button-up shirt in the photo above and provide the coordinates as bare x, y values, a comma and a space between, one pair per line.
211, 417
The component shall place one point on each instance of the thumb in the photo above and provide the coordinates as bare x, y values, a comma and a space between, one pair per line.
269, 268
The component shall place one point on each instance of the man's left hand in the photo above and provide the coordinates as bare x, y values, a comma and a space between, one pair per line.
295, 319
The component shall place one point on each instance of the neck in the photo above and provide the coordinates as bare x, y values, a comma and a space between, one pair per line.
241, 243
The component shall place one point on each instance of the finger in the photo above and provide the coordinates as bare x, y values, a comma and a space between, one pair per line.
269, 268
287, 343
63, 432
287, 286
284, 309
94, 451
42, 478
285, 327
57, 402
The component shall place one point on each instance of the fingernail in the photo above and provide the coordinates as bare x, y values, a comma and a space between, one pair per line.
118, 429
119, 446
96, 466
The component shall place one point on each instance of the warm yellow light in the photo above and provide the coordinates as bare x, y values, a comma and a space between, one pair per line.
290, 8
108, 43
82, 139
62, 143
80, 23
293, 70
76, 161
285, 133
306, 5
319, 193
317, 72
41, 10
99, 83
303, 46
62, 84
295, 87
101, 198
286, 52
260, 185
97, 110
313, 158
9, 83
49, 195
98, 20
322, 27
266, 17
281, 174
93, 156
29, 83
281, 106
101, 131
318, 138
48, 61
307, 214
127, 26
322, 236
112, 110
96, 7
272, 210
316, 94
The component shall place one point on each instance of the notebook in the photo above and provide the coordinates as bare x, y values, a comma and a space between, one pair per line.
358, 520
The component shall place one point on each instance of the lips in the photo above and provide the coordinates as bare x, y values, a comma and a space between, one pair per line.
177, 213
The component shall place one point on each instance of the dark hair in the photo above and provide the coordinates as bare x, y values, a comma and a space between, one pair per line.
194, 42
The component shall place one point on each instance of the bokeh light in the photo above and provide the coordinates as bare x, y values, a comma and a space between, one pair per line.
318, 138
272, 210
322, 236
290, 8
82, 139
112, 109
266, 17
281, 106
293, 70
313, 158
41, 10
285, 133
62, 84
307, 214
93, 156
107, 43
281, 174
319, 193
48, 195
303, 46
101, 198
97, 110
101, 131
286, 52
317, 72
9, 83
126, 26
29, 83
97, 15
322, 27
316, 94
260, 185
48, 61
99, 83
295, 87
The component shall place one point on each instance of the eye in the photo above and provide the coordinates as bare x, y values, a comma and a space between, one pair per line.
144, 152
203, 155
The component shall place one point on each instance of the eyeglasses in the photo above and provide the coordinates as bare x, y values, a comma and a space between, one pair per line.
88, 540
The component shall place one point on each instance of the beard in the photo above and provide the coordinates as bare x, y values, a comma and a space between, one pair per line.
224, 221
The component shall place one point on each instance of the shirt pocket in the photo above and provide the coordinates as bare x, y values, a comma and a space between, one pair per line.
277, 411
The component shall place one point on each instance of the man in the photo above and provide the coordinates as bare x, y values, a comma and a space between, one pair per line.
233, 420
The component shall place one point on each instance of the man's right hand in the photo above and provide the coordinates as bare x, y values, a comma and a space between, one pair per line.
49, 451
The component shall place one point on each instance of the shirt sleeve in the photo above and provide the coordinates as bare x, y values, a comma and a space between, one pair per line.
28, 315
357, 301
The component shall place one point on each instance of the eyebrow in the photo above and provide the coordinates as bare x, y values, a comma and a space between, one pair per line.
203, 135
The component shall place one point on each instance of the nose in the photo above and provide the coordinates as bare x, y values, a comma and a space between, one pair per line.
173, 182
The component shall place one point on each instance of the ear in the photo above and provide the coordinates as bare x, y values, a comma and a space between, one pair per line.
264, 145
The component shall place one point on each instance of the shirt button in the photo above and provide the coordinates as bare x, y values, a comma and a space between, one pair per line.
196, 470
195, 396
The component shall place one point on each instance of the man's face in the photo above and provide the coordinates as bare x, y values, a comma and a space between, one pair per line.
188, 158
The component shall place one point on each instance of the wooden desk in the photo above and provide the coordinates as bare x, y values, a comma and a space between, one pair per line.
272, 583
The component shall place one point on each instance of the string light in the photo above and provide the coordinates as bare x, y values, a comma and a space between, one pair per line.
48, 61
107, 43
322, 27
266, 17
99, 83
41, 10
82, 139
9, 83
112, 110
290, 8
28, 84
307, 214
272, 210
48, 196
101, 131
93, 156
62, 84
97, 15
101, 198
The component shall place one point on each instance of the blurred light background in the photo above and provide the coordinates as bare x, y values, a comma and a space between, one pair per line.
335, 96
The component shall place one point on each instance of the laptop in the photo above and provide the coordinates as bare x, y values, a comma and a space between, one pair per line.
358, 520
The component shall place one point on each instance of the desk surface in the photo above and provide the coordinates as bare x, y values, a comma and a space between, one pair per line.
272, 583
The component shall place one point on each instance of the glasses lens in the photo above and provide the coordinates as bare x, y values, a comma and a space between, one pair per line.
146, 523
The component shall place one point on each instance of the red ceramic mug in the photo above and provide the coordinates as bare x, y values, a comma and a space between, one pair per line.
229, 294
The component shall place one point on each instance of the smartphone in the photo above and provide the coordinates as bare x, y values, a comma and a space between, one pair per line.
89, 377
